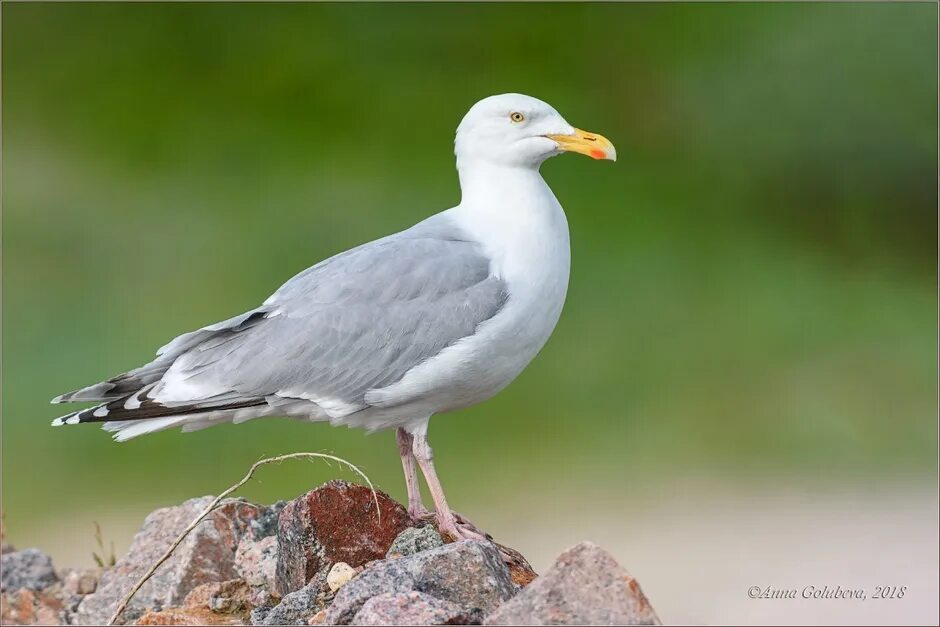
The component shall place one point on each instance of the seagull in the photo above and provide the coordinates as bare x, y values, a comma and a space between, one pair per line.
435, 318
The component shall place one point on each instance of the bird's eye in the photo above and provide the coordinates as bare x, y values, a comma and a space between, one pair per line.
516, 117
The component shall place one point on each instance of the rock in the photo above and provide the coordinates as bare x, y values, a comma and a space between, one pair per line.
297, 608
206, 555
266, 523
469, 574
339, 575
222, 603
79, 581
328, 548
336, 522
188, 616
199, 596
257, 615
226, 597
29, 568
414, 540
414, 608
585, 586
25, 606
256, 563
232, 597
520, 570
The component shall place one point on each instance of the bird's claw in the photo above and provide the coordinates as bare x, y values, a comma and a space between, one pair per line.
456, 528
420, 514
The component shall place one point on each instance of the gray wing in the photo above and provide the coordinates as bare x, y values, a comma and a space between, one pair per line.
355, 322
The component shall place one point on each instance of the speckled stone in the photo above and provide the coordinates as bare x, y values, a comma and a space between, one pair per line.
470, 574
206, 555
585, 586
414, 540
414, 608
29, 568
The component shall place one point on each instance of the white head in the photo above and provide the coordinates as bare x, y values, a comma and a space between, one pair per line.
520, 131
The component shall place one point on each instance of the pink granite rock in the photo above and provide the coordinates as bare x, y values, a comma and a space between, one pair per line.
206, 555
31, 607
256, 563
585, 586
414, 608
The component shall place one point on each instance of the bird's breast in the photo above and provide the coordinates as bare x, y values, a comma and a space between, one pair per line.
528, 247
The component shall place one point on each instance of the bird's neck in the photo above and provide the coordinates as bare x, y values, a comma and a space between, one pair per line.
515, 216
493, 187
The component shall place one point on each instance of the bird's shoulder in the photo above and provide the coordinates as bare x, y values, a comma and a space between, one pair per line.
432, 258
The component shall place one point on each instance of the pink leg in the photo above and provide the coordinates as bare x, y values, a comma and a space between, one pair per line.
405, 449
446, 521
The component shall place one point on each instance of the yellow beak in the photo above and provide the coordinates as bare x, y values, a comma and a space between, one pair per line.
590, 144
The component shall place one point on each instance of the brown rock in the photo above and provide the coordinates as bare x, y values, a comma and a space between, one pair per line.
337, 522
31, 607
520, 570
232, 597
222, 603
206, 555
226, 597
200, 595
188, 616
585, 586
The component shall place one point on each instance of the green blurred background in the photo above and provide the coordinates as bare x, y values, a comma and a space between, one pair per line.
753, 290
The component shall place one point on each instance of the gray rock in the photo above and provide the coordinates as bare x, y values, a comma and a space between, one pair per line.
414, 540
266, 523
29, 568
469, 574
207, 555
414, 608
585, 586
297, 607
258, 614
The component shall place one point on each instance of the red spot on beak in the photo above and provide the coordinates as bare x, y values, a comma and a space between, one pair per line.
598, 154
